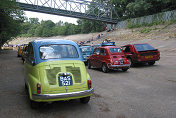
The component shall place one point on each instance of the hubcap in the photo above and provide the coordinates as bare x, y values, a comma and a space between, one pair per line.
104, 68
129, 61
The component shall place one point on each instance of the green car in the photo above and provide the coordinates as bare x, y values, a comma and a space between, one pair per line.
54, 71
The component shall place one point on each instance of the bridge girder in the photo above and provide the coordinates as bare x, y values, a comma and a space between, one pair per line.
71, 8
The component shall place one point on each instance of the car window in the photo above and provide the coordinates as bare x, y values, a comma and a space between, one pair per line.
86, 49
58, 51
102, 52
143, 47
126, 48
30, 54
115, 50
97, 51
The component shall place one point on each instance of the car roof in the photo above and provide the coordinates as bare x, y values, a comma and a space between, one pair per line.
107, 47
85, 46
135, 44
37, 43
52, 41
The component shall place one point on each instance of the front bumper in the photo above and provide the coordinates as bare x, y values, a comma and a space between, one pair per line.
118, 66
62, 95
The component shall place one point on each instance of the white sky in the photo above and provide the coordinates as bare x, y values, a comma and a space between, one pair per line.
54, 18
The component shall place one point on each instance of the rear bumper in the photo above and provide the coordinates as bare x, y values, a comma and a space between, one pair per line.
119, 66
145, 61
62, 95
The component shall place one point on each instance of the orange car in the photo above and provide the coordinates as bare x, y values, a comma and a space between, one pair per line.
23, 54
20, 49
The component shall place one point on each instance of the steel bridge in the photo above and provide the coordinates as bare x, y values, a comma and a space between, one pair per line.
72, 8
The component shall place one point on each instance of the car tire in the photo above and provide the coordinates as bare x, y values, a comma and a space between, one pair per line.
124, 69
85, 100
86, 63
34, 104
105, 68
89, 64
130, 60
26, 88
151, 63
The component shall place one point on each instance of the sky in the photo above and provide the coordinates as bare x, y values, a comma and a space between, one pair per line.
54, 18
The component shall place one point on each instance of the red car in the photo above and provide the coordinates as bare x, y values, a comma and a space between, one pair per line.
141, 53
108, 57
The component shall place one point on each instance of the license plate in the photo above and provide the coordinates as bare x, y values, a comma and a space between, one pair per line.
65, 80
147, 57
121, 62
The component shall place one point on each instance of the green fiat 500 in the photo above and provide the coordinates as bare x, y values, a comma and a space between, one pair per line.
54, 71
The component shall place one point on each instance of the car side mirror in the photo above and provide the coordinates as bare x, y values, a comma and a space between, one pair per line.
33, 63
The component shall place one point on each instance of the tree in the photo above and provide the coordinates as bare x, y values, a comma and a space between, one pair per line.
34, 20
10, 18
45, 29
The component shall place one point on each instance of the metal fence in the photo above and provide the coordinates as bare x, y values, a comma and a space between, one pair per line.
156, 18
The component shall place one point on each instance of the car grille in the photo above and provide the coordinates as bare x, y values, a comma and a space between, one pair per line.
76, 73
51, 75
150, 53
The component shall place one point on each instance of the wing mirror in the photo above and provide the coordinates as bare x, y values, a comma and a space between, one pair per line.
33, 63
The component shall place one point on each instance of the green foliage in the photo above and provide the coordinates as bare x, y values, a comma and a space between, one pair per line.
45, 29
146, 30
10, 19
136, 8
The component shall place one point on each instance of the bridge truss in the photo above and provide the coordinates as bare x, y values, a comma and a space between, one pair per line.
72, 8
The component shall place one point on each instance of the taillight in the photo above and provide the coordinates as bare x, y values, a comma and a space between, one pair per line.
158, 53
89, 84
38, 88
138, 55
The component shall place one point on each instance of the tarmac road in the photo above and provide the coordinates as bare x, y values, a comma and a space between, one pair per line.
141, 92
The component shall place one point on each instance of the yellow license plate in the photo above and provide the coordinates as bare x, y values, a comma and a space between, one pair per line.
147, 57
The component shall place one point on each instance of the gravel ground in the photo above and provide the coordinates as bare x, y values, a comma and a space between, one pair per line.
141, 92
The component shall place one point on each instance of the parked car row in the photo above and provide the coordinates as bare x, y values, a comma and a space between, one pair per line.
55, 70
22, 51
108, 56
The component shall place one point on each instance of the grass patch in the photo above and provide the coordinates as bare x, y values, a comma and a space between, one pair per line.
146, 30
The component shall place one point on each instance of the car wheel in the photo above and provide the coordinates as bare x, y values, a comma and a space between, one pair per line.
86, 63
34, 104
151, 63
131, 63
104, 68
124, 69
85, 100
26, 88
89, 64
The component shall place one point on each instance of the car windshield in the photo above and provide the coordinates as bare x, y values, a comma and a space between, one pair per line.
143, 47
115, 50
86, 49
58, 51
